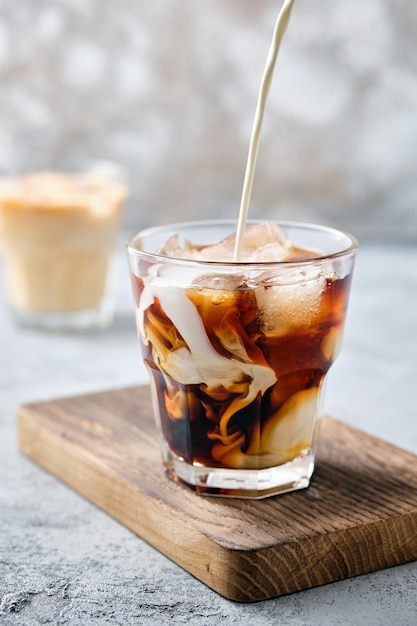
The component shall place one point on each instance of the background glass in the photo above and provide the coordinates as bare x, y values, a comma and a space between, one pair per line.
58, 233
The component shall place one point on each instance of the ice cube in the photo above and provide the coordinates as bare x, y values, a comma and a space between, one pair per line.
218, 280
290, 431
176, 247
260, 235
288, 306
263, 242
259, 239
269, 253
332, 344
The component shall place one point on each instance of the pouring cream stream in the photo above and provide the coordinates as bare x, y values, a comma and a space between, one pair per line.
279, 31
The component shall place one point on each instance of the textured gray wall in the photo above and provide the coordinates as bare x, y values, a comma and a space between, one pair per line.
169, 88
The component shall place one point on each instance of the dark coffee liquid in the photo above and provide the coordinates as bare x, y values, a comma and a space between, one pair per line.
195, 419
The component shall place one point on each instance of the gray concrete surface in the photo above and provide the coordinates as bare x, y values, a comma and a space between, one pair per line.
63, 561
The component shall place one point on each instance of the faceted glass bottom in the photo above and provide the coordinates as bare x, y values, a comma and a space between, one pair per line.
235, 483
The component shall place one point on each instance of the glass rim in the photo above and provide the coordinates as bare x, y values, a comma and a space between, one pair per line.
147, 232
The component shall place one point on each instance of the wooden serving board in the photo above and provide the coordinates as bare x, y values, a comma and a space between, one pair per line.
358, 515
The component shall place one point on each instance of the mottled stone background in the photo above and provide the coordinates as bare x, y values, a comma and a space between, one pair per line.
168, 88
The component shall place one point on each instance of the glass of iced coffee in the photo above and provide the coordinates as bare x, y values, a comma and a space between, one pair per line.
237, 352
58, 234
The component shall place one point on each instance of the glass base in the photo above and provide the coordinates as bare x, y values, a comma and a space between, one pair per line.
234, 483
88, 319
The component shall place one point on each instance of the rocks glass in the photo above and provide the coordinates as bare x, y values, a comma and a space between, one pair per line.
237, 352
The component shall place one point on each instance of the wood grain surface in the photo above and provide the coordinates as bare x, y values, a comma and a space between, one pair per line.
358, 515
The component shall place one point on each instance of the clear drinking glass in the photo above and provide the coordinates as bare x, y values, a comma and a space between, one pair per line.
237, 353
58, 234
